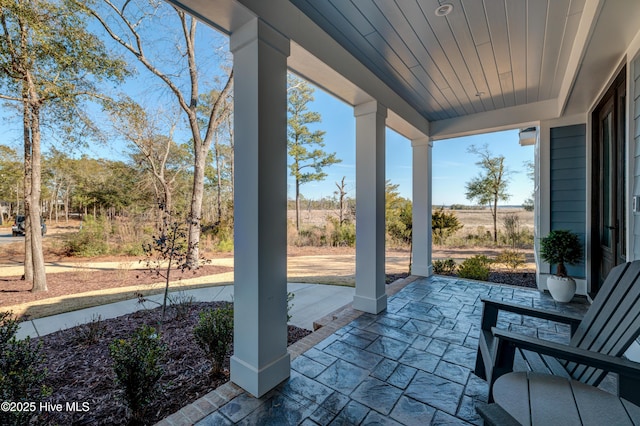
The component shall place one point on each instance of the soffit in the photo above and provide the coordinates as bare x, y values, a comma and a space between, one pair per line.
483, 56
528, 60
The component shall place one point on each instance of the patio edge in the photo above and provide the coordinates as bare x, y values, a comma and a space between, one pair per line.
209, 403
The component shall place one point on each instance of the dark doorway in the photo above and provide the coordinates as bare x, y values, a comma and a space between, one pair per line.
608, 230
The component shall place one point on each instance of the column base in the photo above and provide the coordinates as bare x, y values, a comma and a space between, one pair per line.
422, 270
372, 306
259, 382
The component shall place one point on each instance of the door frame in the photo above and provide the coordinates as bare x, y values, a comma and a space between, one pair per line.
615, 93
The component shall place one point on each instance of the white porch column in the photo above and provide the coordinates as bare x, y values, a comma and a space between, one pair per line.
421, 247
260, 360
370, 192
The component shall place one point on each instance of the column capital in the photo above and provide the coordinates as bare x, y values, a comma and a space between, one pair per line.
425, 141
257, 29
370, 108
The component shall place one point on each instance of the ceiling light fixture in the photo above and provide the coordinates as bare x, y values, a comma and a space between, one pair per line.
444, 9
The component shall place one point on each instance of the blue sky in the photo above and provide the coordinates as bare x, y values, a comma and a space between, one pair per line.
453, 166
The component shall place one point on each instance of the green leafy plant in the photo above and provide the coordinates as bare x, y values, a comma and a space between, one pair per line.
561, 247
475, 268
443, 225
511, 259
444, 266
138, 368
214, 335
341, 234
22, 373
400, 222
91, 239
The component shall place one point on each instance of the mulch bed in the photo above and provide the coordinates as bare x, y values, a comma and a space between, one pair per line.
521, 279
14, 290
80, 371
517, 278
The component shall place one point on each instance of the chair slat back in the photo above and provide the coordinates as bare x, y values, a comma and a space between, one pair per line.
612, 322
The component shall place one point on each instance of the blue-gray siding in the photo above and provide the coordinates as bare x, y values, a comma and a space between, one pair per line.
569, 184
636, 161
635, 111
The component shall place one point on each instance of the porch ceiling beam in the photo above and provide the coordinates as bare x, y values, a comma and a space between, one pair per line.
588, 22
496, 120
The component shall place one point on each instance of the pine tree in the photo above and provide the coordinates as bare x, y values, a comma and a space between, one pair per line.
307, 158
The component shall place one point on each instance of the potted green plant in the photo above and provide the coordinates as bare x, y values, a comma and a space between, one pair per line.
561, 247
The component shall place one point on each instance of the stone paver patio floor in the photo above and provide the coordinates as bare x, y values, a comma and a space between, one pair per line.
410, 365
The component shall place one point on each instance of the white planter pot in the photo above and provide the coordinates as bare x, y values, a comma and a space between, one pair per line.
562, 289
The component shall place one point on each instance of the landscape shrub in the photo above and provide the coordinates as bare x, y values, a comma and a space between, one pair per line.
313, 236
399, 223
22, 373
214, 335
91, 240
341, 235
444, 266
443, 225
137, 363
475, 268
512, 259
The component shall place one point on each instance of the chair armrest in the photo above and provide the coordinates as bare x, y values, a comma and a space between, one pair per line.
495, 415
581, 356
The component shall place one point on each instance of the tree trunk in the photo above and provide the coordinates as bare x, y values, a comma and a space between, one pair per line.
28, 254
495, 219
231, 154
297, 205
66, 204
216, 152
196, 208
39, 274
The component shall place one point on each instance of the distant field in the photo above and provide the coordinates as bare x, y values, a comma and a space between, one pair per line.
471, 219
312, 217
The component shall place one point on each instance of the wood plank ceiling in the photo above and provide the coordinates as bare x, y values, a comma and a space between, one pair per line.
484, 55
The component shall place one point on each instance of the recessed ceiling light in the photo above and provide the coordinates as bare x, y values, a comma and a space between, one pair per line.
444, 9
480, 94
